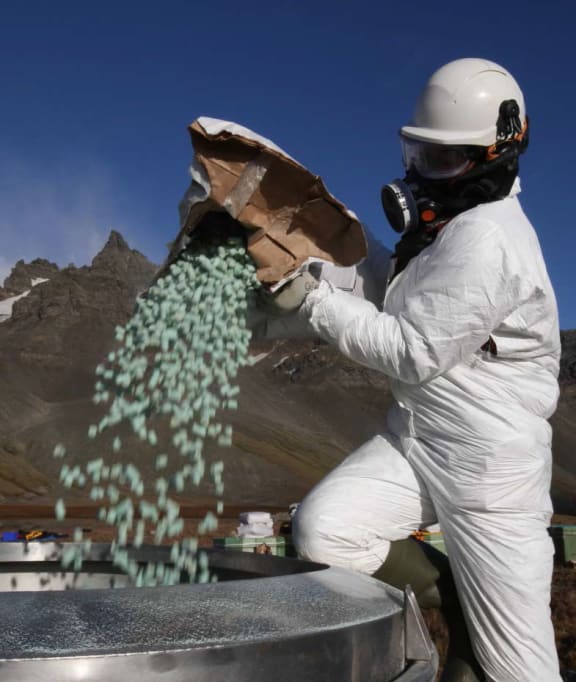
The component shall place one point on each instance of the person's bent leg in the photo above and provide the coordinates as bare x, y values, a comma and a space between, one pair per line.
371, 499
361, 516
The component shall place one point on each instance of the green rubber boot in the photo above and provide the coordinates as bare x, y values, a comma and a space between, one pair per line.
427, 571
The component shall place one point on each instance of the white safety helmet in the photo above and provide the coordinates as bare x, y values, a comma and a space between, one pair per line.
458, 111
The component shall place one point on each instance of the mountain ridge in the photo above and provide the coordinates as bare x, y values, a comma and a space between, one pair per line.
303, 406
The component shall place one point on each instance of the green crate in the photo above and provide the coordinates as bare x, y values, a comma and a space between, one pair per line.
436, 540
275, 545
564, 538
569, 536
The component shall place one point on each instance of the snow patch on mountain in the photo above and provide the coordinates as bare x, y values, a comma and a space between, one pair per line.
7, 304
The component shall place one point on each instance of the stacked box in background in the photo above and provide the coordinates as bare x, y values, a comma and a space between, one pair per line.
435, 539
269, 545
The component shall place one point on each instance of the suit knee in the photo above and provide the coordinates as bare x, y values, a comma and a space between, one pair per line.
326, 539
312, 535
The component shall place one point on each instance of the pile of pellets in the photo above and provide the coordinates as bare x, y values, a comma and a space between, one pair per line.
176, 361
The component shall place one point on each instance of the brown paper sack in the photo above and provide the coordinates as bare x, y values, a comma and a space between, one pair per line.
288, 213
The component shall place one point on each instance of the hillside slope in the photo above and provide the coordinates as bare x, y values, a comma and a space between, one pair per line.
303, 407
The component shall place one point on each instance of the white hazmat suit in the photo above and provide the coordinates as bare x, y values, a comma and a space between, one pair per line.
467, 442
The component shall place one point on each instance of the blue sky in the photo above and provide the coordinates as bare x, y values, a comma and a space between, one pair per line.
95, 100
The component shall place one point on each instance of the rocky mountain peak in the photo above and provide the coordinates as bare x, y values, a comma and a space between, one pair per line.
23, 274
116, 241
115, 249
52, 319
118, 260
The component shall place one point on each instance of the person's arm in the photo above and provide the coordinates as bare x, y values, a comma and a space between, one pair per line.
365, 281
461, 288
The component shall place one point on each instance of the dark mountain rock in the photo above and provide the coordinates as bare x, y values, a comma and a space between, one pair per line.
568, 363
20, 279
52, 342
125, 264
71, 317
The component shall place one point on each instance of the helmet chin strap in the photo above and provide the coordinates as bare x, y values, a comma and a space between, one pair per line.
493, 178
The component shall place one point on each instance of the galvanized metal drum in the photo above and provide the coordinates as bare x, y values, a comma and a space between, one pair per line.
266, 619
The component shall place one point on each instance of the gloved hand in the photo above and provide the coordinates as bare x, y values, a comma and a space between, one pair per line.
291, 296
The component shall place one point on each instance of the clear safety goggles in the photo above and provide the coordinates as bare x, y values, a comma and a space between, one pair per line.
436, 161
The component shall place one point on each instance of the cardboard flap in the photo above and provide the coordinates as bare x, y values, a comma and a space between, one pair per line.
289, 214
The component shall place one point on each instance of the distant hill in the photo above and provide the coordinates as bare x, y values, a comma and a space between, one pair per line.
568, 365
303, 407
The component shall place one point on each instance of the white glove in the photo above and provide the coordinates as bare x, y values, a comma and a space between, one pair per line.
291, 295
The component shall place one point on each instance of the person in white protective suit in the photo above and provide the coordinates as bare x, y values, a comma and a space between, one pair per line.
467, 332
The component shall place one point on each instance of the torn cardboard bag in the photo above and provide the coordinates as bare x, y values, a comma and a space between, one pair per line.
289, 215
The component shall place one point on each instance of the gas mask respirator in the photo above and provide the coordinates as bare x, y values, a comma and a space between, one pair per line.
443, 181
416, 203
409, 206
418, 207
